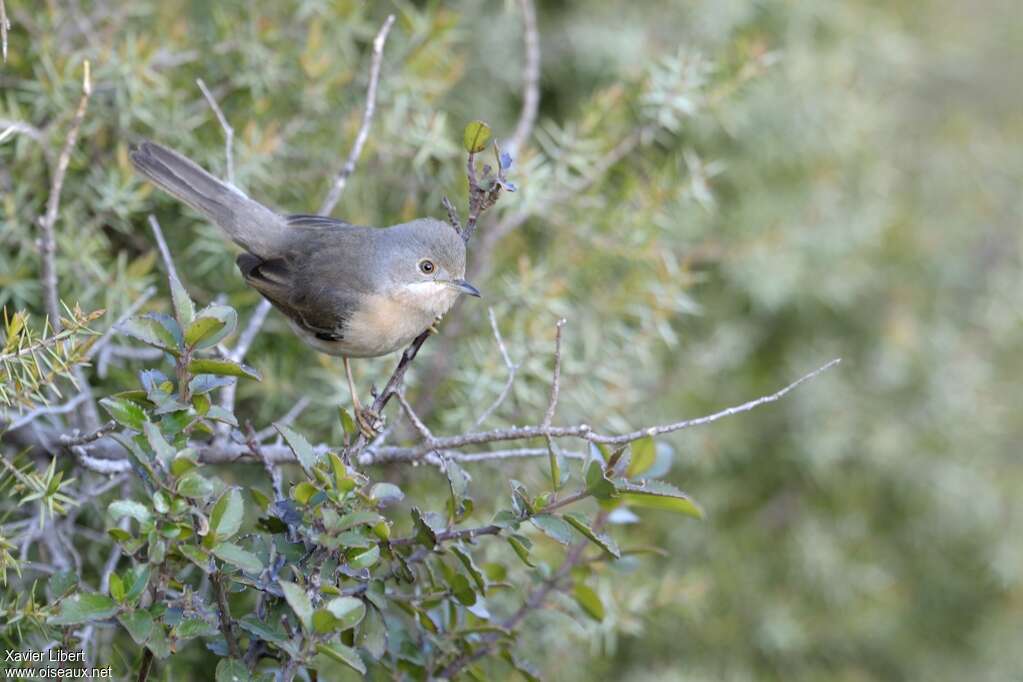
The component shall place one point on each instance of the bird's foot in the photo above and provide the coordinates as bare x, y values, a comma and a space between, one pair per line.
433, 327
369, 422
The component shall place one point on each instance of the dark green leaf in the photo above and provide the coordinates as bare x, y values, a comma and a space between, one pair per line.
658, 495
84, 607
236, 556
226, 517
304, 452
465, 557
386, 493
554, 527
193, 627
222, 313
154, 330
224, 368
348, 611
343, 654
125, 412
522, 545
195, 486
364, 558
232, 670
605, 542
373, 634
299, 602
184, 309
138, 623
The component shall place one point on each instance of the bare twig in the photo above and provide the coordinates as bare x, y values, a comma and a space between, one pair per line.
9, 128
63, 408
289, 417
71, 440
512, 369
224, 615
47, 241
5, 26
367, 119
423, 430
228, 130
452, 214
552, 404
161, 244
530, 79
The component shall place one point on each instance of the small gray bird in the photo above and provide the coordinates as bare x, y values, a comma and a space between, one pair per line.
349, 291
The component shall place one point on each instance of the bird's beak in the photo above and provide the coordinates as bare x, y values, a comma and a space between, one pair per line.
465, 287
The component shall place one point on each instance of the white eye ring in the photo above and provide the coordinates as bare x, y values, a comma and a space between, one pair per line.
427, 267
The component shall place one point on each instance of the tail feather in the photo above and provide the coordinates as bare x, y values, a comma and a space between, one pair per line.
249, 223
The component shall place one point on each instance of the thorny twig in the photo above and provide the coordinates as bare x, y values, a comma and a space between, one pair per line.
228, 130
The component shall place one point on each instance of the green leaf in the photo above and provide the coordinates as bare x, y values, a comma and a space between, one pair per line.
470, 566
194, 486
348, 611
236, 556
525, 668
588, 600
224, 368
386, 494
458, 481
201, 328
347, 423
597, 482
554, 527
164, 452
136, 581
299, 602
644, 454
154, 330
304, 452
184, 309
364, 558
226, 517
125, 412
157, 642
555, 459
251, 624
221, 414
343, 654
84, 607
323, 621
522, 545
232, 670
476, 136
658, 495
116, 587
193, 627
462, 590
136, 510
303, 492
228, 318
373, 634
425, 535
139, 624
605, 542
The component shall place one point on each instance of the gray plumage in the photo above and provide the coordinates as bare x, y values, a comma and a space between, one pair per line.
346, 290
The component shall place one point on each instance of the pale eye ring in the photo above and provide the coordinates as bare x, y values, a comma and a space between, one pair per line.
427, 267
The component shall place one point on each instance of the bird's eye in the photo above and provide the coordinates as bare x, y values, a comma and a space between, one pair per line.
427, 267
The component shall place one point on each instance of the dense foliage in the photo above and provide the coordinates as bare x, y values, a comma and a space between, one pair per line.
718, 197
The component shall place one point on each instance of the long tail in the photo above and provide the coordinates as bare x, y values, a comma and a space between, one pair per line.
250, 224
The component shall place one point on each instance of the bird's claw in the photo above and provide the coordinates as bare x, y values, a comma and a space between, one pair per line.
369, 422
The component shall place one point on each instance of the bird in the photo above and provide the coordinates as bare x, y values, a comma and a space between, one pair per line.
346, 290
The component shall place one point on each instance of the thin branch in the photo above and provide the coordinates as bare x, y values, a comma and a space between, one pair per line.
423, 430
76, 439
5, 26
228, 130
47, 241
11, 128
552, 404
530, 79
289, 417
63, 408
367, 119
161, 244
512, 369
224, 615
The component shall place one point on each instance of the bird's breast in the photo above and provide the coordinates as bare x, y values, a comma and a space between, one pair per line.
384, 323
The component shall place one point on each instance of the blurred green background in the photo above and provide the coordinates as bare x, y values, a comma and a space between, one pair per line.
816, 179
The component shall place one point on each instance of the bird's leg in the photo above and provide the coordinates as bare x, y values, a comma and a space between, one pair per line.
433, 327
366, 418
